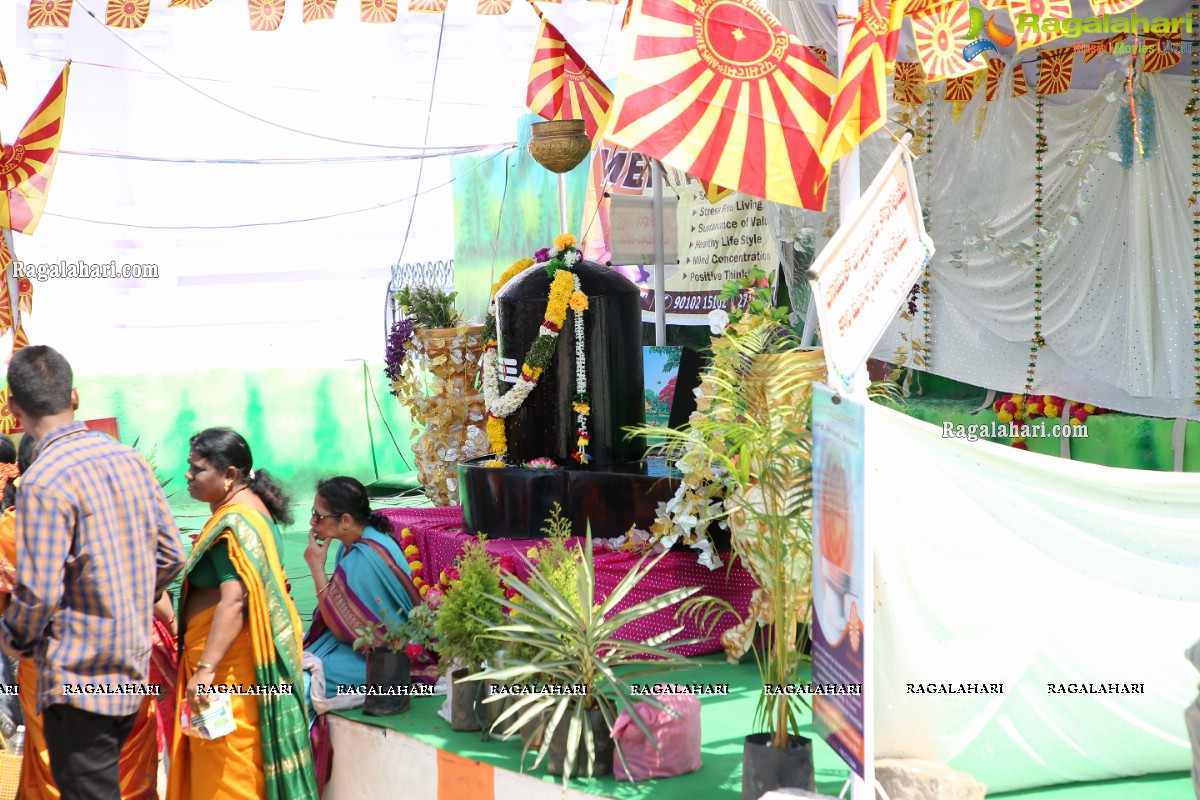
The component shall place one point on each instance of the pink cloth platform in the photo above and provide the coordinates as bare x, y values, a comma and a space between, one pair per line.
441, 537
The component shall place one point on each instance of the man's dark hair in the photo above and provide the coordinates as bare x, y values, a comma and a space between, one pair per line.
40, 380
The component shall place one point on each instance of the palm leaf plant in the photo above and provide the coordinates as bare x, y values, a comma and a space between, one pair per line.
568, 640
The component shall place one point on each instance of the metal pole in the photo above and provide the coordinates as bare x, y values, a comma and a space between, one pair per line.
564, 223
660, 270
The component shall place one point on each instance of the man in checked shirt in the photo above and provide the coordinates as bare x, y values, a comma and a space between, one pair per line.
96, 545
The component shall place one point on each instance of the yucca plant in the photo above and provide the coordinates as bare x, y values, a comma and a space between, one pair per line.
568, 640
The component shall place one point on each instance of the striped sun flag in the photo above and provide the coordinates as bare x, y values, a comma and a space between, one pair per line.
861, 103
27, 166
49, 13
318, 9
720, 90
127, 14
1044, 9
563, 86
939, 36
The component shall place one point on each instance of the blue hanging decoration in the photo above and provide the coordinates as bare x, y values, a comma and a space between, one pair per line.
1139, 117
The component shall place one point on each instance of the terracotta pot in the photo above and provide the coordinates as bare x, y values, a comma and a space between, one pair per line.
560, 145
453, 412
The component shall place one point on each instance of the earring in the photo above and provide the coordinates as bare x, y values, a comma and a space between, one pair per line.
228, 483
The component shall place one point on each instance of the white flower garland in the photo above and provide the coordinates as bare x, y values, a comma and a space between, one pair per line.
581, 388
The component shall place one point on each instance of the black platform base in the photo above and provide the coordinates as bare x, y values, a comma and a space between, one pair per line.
515, 502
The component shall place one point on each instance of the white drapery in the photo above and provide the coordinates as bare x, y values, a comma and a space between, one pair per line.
995, 566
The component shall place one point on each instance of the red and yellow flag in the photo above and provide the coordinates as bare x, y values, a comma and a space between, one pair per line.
1101, 8
962, 88
6, 314
318, 9
995, 69
3, 77
1042, 9
720, 90
493, 8
379, 12
939, 35
860, 107
49, 13
127, 14
25, 295
27, 166
1054, 70
714, 193
1166, 51
1100, 47
265, 15
908, 83
563, 86
19, 338
188, 3
8, 420
428, 6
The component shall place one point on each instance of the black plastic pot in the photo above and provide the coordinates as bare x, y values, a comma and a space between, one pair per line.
765, 768
602, 743
387, 670
462, 703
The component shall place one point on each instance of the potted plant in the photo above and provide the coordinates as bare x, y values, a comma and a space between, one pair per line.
389, 647
555, 634
433, 359
470, 608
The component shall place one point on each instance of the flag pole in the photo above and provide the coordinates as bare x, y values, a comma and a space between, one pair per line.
563, 221
660, 271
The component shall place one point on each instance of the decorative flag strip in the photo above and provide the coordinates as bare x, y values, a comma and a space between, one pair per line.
493, 8
908, 83
49, 13
720, 90
1045, 11
20, 340
27, 166
3, 77
961, 89
1103, 8
318, 9
5, 255
563, 86
1054, 70
127, 14
24, 298
939, 36
1166, 51
860, 106
428, 6
1100, 46
265, 15
380, 12
8, 420
6, 314
994, 72
991, 5
188, 3
919, 7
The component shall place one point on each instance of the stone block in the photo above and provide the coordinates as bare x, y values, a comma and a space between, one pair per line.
915, 779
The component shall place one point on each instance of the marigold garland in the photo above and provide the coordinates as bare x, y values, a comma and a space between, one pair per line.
564, 294
408, 543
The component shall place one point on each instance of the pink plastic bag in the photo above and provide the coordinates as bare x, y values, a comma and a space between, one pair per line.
678, 738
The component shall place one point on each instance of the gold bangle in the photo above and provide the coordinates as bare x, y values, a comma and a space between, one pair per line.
205, 665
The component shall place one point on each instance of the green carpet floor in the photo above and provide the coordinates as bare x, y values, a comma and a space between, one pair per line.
724, 720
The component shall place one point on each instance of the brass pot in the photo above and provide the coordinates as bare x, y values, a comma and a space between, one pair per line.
560, 145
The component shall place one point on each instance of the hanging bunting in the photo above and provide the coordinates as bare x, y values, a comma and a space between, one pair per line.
921, 7
744, 113
1166, 52
939, 36
28, 165
908, 83
860, 106
318, 9
3, 77
188, 3
265, 15
995, 70
562, 85
1054, 70
821, 53
1193, 110
128, 14
49, 13
20, 340
962, 88
1100, 47
380, 12
1039, 150
8, 420
6, 314
25, 295
1043, 10
428, 6
1103, 8
494, 8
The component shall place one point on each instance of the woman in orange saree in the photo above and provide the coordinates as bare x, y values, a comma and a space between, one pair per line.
141, 751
